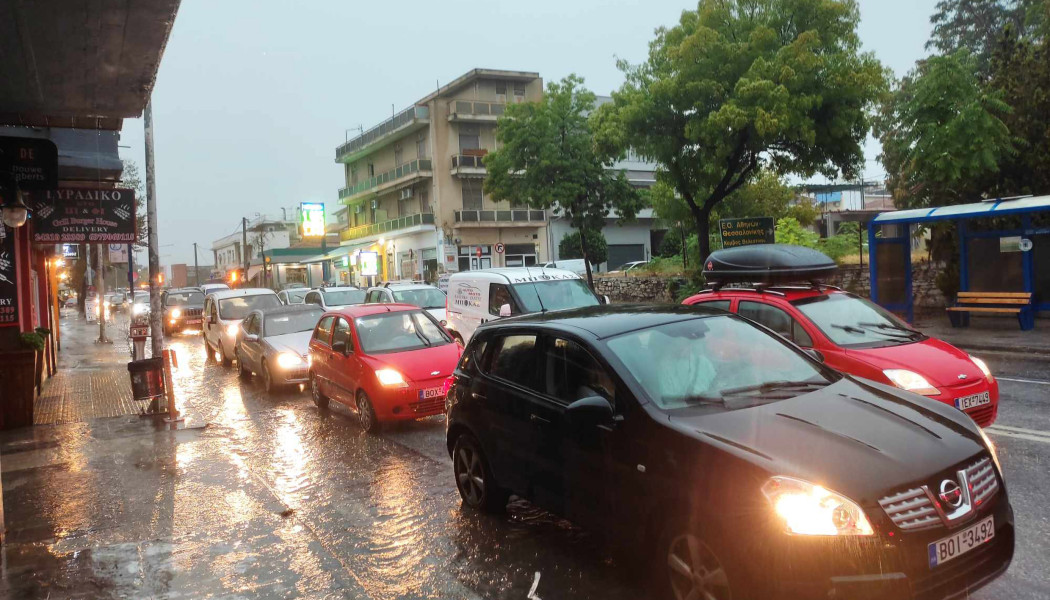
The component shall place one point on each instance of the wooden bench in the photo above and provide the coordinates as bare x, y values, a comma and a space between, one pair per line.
997, 303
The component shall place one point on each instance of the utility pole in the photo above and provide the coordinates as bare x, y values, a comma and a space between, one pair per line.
196, 268
155, 309
244, 248
100, 293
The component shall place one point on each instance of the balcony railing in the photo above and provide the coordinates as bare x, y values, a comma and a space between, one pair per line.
387, 226
405, 117
500, 216
467, 161
472, 110
416, 166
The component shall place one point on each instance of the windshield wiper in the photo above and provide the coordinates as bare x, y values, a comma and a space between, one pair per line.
893, 327
771, 386
849, 328
888, 331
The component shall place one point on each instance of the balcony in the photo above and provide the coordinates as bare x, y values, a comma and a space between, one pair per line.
469, 165
407, 121
408, 172
384, 227
469, 111
515, 217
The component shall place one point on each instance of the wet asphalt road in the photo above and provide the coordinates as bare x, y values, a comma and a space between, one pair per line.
381, 515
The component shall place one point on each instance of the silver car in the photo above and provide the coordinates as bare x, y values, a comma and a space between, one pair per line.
274, 344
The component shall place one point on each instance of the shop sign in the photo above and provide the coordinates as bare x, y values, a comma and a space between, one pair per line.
8, 286
28, 163
369, 262
311, 217
118, 253
70, 251
76, 215
746, 232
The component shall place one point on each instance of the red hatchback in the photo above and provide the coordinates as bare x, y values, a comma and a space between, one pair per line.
387, 361
858, 337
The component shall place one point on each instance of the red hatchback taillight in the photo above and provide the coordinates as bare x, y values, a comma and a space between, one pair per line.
447, 384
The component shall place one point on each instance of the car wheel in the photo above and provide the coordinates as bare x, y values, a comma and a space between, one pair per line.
227, 361
690, 569
315, 391
474, 477
366, 414
209, 354
267, 379
242, 367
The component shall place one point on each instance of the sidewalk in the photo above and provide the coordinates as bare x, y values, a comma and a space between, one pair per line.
990, 334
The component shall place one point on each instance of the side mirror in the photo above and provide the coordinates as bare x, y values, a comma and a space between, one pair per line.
606, 300
504, 310
814, 354
340, 347
251, 337
592, 409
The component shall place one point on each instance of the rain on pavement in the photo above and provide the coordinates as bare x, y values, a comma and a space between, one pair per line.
273, 498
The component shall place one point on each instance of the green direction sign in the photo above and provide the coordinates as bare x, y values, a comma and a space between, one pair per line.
746, 232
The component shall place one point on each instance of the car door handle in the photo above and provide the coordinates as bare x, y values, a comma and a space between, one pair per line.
538, 419
478, 396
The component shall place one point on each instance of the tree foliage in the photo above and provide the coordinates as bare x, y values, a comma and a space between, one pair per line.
942, 133
738, 84
597, 247
131, 178
978, 25
548, 159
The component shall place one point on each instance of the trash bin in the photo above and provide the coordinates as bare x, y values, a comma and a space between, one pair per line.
147, 378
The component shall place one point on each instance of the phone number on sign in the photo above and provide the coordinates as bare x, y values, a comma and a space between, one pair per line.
70, 238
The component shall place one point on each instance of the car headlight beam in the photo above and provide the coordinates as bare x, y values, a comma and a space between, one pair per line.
233, 329
809, 509
176, 313
911, 381
390, 378
289, 360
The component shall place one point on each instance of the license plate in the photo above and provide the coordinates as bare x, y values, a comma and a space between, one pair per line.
193, 321
968, 402
430, 393
961, 542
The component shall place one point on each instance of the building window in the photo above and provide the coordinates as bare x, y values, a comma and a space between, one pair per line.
424, 202
353, 174
399, 155
421, 146
501, 89
371, 170
469, 138
472, 196
406, 206
519, 89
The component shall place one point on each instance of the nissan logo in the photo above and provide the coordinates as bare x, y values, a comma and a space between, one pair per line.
951, 493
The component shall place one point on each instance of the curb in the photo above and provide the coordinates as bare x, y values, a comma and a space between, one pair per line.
1025, 351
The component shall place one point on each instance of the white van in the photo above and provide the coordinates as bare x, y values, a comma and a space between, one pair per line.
475, 297
576, 265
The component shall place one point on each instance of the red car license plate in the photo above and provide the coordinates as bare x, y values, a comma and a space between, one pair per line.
430, 393
968, 402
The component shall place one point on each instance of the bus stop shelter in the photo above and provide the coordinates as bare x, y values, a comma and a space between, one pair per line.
1012, 258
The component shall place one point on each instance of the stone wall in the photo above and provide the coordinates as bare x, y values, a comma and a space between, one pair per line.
852, 278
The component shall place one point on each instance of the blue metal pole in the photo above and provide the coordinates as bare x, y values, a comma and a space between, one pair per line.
873, 280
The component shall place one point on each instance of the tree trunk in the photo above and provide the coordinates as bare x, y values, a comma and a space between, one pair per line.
586, 261
703, 236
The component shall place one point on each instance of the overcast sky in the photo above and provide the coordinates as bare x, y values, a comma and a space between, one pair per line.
253, 96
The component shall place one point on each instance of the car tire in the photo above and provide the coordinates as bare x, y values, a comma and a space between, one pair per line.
267, 379
242, 367
315, 392
687, 567
366, 413
474, 479
209, 353
227, 361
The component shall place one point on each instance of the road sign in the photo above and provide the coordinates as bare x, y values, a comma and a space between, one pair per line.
746, 232
479, 251
500, 248
118, 253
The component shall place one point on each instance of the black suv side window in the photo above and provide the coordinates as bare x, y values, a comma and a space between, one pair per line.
572, 374
719, 304
775, 319
323, 333
513, 358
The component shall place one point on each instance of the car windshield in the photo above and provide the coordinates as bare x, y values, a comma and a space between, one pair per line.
294, 322
237, 308
557, 294
344, 298
141, 298
399, 332
295, 296
851, 321
713, 360
184, 298
423, 297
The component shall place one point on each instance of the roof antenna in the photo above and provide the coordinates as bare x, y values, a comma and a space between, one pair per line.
536, 290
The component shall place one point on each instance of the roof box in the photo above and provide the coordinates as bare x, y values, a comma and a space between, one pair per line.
767, 264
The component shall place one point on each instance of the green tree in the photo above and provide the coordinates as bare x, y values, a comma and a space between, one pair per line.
942, 133
790, 231
766, 196
597, 247
548, 159
978, 25
741, 84
132, 179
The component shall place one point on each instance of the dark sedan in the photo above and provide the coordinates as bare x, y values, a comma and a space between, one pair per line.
735, 462
274, 343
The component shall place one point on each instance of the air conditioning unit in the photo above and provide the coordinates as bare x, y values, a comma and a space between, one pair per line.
405, 194
375, 204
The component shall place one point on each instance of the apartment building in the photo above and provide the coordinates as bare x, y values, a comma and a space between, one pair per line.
414, 184
263, 233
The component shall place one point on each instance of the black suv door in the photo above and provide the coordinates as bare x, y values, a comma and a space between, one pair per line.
503, 396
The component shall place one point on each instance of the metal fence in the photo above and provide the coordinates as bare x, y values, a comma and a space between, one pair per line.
386, 226
421, 164
393, 123
493, 216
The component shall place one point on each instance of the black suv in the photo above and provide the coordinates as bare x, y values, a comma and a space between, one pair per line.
183, 308
742, 466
